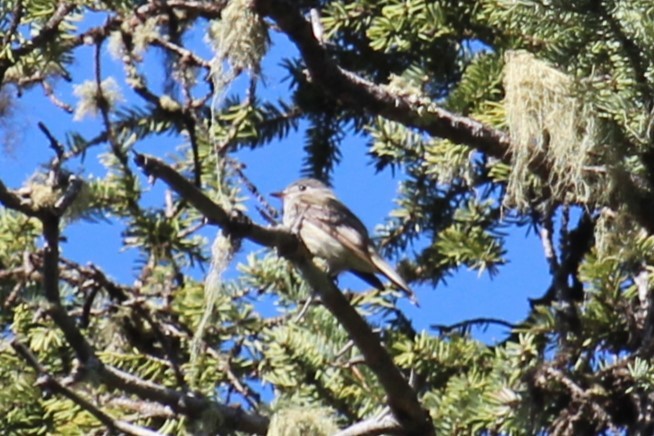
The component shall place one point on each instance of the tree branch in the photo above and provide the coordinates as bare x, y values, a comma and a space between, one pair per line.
50, 221
464, 325
45, 35
579, 395
11, 200
47, 382
359, 92
193, 406
410, 110
373, 427
402, 399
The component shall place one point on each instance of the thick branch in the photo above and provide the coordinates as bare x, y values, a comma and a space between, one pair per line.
270, 237
413, 111
402, 399
59, 315
377, 99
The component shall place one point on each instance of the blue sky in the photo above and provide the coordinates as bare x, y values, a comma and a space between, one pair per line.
465, 295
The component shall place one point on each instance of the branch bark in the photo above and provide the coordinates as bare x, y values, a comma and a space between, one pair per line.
378, 99
191, 405
386, 425
11, 200
402, 399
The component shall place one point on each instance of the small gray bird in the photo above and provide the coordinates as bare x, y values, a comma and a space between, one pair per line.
333, 233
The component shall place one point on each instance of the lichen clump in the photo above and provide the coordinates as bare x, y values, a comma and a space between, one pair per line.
550, 125
299, 421
240, 41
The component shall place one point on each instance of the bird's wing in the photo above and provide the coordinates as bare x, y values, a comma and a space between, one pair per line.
369, 278
344, 226
392, 275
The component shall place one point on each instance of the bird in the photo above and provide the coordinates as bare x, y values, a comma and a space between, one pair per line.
333, 233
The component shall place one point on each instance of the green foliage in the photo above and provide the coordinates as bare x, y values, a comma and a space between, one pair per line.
21, 406
17, 234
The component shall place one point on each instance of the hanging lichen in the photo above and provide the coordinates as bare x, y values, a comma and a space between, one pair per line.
240, 41
298, 421
549, 125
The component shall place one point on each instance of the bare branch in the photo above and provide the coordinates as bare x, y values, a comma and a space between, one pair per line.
116, 291
56, 311
373, 427
49, 92
547, 239
186, 56
57, 146
194, 406
475, 321
266, 211
316, 25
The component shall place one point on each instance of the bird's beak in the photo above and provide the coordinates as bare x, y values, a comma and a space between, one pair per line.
278, 194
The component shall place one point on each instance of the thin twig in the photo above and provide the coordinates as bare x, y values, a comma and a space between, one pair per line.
470, 322
185, 56
49, 92
266, 211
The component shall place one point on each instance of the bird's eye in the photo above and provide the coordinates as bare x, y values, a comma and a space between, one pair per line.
301, 187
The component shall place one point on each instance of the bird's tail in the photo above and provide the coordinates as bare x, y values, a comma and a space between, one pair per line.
394, 277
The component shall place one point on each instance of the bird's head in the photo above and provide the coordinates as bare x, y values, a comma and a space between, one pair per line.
306, 190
